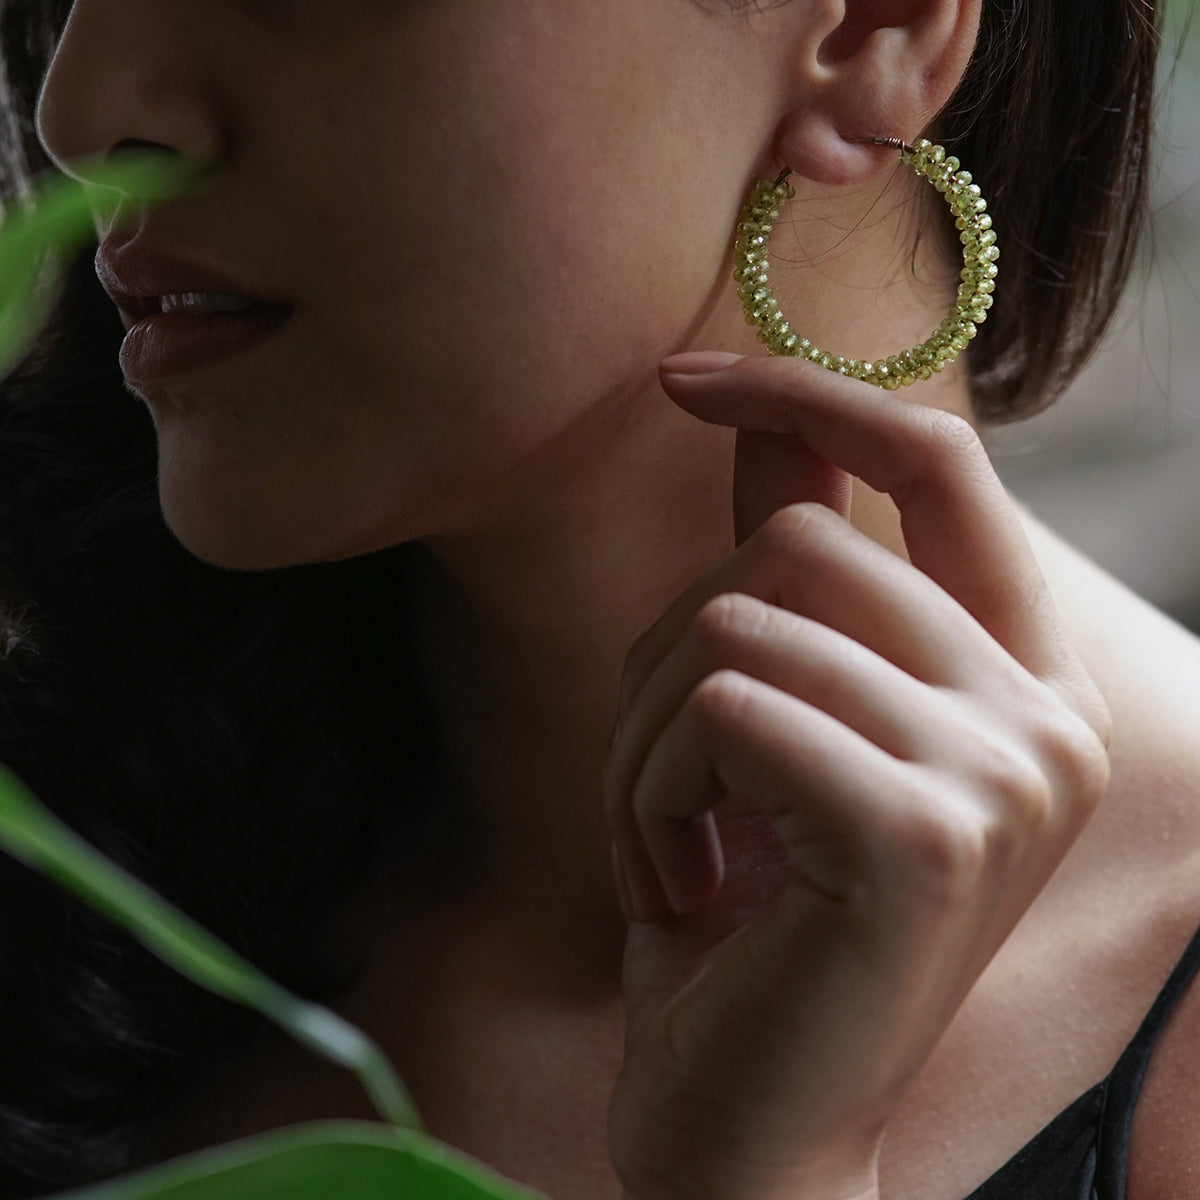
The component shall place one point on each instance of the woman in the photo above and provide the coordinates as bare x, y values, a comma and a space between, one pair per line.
892, 847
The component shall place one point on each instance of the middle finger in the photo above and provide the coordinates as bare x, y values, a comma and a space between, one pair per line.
808, 560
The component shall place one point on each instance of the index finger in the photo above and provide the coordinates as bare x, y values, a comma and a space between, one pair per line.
960, 526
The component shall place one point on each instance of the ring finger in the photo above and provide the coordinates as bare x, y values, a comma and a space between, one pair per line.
828, 670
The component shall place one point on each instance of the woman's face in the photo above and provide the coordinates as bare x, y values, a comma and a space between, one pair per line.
493, 217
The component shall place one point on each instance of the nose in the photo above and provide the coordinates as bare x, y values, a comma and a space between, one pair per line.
127, 73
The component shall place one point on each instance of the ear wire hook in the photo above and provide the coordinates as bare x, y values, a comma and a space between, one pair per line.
892, 143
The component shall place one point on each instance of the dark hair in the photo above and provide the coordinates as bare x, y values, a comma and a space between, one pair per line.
1055, 117
234, 739
237, 739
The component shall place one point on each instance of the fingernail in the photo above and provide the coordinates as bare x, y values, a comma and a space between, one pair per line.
699, 362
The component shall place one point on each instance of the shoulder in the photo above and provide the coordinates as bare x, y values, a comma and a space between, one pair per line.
1148, 667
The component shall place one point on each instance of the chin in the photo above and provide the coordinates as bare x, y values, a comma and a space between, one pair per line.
234, 552
235, 541
255, 540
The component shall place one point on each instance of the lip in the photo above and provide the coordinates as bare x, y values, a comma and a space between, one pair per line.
166, 345
136, 275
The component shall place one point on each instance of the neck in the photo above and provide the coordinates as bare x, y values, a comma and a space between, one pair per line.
528, 615
524, 628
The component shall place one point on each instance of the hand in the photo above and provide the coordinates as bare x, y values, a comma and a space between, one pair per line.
921, 738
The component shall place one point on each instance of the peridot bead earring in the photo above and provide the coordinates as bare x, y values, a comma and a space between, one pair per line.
949, 339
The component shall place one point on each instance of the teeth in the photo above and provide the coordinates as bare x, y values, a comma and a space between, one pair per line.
203, 302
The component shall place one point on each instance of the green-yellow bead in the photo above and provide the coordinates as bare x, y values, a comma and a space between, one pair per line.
972, 301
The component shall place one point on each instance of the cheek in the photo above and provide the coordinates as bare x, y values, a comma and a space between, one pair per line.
528, 228
515, 258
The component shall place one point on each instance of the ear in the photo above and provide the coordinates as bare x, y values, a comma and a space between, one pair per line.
867, 68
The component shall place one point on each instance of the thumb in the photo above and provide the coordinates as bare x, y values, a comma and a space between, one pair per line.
773, 470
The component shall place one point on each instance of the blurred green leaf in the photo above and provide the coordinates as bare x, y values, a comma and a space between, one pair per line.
31, 833
55, 221
322, 1161
327, 1160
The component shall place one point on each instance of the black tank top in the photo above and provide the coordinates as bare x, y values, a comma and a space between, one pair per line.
1083, 1153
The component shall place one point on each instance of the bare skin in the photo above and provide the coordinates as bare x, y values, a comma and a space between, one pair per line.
487, 995
520, 432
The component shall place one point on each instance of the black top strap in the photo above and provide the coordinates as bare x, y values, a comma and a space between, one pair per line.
1083, 1153
1125, 1080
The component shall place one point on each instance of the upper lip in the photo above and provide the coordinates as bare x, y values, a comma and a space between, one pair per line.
137, 276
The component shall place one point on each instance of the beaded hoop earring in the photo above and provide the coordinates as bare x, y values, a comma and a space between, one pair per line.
947, 341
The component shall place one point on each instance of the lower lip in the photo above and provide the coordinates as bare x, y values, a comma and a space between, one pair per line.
170, 344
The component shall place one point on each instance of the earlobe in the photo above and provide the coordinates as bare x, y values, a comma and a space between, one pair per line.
885, 67
815, 146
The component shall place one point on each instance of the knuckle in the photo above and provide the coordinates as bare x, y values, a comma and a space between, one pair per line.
1016, 787
719, 699
947, 848
1076, 752
726, 619
789, 530
955, 839
951, 434
952, 446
